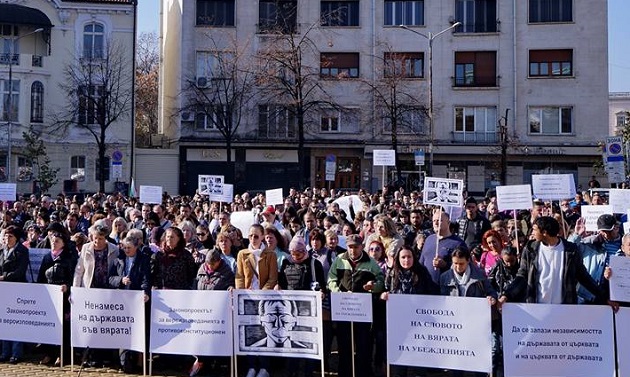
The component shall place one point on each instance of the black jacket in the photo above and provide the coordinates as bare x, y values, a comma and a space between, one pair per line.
13, 267
140, 273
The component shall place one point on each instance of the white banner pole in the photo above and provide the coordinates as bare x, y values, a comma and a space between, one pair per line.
518, 252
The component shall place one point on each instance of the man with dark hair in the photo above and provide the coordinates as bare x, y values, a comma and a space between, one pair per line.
472, 226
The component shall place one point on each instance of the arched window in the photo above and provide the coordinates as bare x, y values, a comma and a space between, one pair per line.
37, 102
93, 41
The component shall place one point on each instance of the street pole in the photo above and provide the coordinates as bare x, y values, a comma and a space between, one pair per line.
430, 37
10, 100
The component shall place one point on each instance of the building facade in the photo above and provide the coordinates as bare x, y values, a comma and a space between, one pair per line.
71, 68
487, 89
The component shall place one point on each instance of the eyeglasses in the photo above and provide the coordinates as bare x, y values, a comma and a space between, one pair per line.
374, 248
272, 318
202, 234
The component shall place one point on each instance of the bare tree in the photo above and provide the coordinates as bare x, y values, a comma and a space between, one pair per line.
399, 106
98, 87
147, 75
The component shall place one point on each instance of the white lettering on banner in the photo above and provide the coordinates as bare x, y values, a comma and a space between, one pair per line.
455, 328
31, 312
558, 340
178, 318
107, 318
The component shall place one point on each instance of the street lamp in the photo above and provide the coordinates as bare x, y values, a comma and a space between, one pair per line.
430, 37
10, 99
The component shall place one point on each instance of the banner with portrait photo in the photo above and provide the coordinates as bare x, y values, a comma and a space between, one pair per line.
278, 323
191, 322
443, 192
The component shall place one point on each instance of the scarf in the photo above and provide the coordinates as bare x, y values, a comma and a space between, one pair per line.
406, 281
55, 253
462, 279
207, 269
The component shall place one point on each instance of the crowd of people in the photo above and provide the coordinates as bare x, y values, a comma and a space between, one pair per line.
388, 244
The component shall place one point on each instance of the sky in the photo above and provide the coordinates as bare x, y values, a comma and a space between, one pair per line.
618, 36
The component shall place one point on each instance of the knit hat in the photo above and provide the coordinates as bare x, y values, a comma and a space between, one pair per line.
297, 244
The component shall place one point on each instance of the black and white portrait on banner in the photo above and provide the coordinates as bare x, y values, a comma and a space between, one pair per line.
211, 184
443, 192
285, 323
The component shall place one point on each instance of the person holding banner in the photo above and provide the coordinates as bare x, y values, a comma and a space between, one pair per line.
173, 267
13, 264
437, 248
57, 268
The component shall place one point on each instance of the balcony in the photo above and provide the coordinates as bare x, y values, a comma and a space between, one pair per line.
12, 59
481, 137
475, 81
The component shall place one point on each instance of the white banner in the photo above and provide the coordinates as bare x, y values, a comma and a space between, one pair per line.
107, 318
191, 322
31, 312
514, 197
274, 197
439, 332
226, 197
443, 192
620, 279
384, 157
622, 328
558, 340
344, 204
592, 213
151, 194
619, 200
278, 323
8, 192
243, 220
553, 186
35, 256
351, 306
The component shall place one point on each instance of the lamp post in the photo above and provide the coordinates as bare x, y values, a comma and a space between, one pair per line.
10, 99
430, 37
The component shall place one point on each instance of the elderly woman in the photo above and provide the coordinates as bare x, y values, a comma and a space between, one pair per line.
173, 267
57, 268
193, 245
13, 263
387, 234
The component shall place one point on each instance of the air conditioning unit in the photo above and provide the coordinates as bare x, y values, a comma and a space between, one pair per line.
202, 82
187, 116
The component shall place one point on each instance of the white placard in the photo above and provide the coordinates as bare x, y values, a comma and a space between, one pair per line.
274, 197
514, 197
454, 212
243, 220
619, 200
544, 340
622, 327
592, 213
620, 279
191, 322
211, 185
107, 318
151, 194
384, 157
228, 194
439, 332
351, 306
31, 312
443, 192
35, 256
553, 186
278, 323
8, 192
344, 204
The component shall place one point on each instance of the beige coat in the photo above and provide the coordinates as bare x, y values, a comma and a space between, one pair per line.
84, 272
267, 269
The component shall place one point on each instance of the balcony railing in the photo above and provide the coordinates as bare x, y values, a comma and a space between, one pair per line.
476, 137
13, 59
476, 81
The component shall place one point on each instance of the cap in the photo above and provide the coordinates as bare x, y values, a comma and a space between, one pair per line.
269, 210
297, 244
471, 200
606, 222
353, 239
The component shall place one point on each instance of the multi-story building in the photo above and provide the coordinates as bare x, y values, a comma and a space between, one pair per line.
66, 71
494, 87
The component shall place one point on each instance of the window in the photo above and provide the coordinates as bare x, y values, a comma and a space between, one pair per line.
277, 16
215, 12
339, 65
476, 124
10, 100
212, 65
37, 102
9, 47
77, 168
25, 169
404, 12
340, 13
276, 122
550, 63
476, 16
93, 41
404, 64
476, 68
622, 119
550, 120
334, 121
91, 104
550, 11
410, 120
212, 118
97, 170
